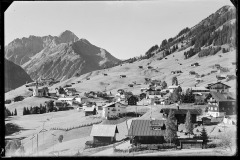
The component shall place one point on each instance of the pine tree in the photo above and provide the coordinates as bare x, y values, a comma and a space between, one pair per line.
171, 128
15, 112
188, 124
204, 135
27, 111
24, 110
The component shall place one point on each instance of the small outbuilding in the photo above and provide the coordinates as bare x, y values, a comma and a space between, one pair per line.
104, 133
192, 73
123, 76
191, 143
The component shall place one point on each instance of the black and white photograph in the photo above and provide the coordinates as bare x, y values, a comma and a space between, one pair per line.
120, 78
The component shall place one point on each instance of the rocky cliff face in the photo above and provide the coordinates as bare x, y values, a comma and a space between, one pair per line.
14, 76
57, 57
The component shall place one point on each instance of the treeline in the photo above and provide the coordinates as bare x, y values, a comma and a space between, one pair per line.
191, 52
209, 51
9, 113
48, 107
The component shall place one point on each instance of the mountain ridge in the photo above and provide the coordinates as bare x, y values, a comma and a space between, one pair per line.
39, 56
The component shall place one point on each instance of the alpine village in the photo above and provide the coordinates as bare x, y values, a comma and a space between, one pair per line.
179, 98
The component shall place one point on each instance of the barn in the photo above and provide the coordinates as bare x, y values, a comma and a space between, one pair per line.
104, 133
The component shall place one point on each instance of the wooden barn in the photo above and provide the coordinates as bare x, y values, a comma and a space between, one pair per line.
104, 133
132, 100
123, 76
192, 73
147, 131
89, 111
191, 143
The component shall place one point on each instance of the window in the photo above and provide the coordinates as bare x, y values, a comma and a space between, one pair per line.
233, 103
108, 108
215, 108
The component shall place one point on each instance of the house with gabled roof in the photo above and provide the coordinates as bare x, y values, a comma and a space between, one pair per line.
68, 99
113, 109
70, 91
147, 131
221, 104
104, 133
218, 87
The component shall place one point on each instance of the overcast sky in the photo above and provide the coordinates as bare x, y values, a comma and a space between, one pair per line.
124, 28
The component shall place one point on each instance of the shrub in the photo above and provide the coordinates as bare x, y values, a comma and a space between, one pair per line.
60, 138
8, 101
211, 145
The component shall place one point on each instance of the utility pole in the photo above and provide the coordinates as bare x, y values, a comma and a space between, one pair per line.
43, 130
32, 143
53, 140
37, 144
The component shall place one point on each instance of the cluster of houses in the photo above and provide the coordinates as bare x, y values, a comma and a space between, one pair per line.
221, 103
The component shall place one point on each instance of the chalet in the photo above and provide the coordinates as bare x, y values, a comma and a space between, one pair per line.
144, 89
121, 91
198, 80
39, 92
214, 71
221, 77
218, 87
140, 66
68, 85
113, 109
142, 96
147, 131
59, 105
52, 93
180, 114
104, 133
200, 90
68, 99
192, 73
221, 105
151, 93
70, 91
175, 72
172, 88
89, 111
200, 93
81, 99
123, 76
217, 66
132, 100
130, 85
195, 64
